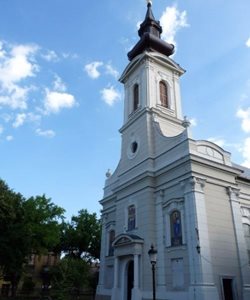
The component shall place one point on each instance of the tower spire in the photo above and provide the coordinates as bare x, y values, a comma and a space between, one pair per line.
150, 36
150, 24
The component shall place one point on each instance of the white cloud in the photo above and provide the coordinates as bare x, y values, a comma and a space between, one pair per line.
15, 96
246, 152
111, 71
2, 52
244, 115
20, 119
248, 43
55, 101
59, 85
33, 118
9, 138
70, 55
110, 95
218, 141
171, 21
46, 133
6, 117
92, 69
1, 129
17, 64
50, 56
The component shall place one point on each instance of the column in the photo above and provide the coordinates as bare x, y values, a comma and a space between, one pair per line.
136, 271
240, 241
115, 290
136, 293
201, 274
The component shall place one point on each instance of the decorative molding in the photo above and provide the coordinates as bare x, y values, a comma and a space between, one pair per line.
233, 194
104, 218
176, 203
110, 225
193, 184
245, 211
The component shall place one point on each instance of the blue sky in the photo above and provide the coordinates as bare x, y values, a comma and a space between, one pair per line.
61, 104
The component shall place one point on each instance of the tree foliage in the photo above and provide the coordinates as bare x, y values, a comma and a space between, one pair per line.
26, 226
81, 237
13, 238
43, 219
37, 226
69, 277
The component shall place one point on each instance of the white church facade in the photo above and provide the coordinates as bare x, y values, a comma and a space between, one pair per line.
184, 196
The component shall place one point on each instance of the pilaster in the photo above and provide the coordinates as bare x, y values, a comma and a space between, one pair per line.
160, 267
100, 286
202, 285
115, 290
233, 194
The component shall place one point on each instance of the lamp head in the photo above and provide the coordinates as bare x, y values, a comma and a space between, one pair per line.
152, 255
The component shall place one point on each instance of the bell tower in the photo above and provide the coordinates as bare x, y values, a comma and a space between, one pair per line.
151, 80
152, 94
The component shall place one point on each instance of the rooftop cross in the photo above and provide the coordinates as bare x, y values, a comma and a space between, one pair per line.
149, 2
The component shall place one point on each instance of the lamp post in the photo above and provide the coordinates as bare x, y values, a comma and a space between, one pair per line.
153, 258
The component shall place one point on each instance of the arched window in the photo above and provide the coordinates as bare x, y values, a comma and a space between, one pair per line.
135, 97
131, 217
111, 239
164, 94
175, 227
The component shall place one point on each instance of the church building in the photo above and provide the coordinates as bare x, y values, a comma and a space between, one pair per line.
183, 196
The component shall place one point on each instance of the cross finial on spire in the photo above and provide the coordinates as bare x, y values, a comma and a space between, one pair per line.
149, 2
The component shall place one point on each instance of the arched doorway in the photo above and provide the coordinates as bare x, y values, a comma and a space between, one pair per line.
130, 279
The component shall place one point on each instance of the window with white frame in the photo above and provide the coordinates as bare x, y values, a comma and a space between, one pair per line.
109, 239
110, 244
175, 228
164, 98
131, 217
135, 97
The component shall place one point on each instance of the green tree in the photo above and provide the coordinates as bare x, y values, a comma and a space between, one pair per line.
82, 236
43, 219
26, 226
69, 277
14, 245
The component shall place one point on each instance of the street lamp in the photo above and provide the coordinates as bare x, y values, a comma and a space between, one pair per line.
153, 258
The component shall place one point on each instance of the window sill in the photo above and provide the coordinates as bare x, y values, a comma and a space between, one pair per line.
131, 230
166, 109
174, 248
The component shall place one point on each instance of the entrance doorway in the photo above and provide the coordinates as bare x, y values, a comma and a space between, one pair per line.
228, 290
130, 279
